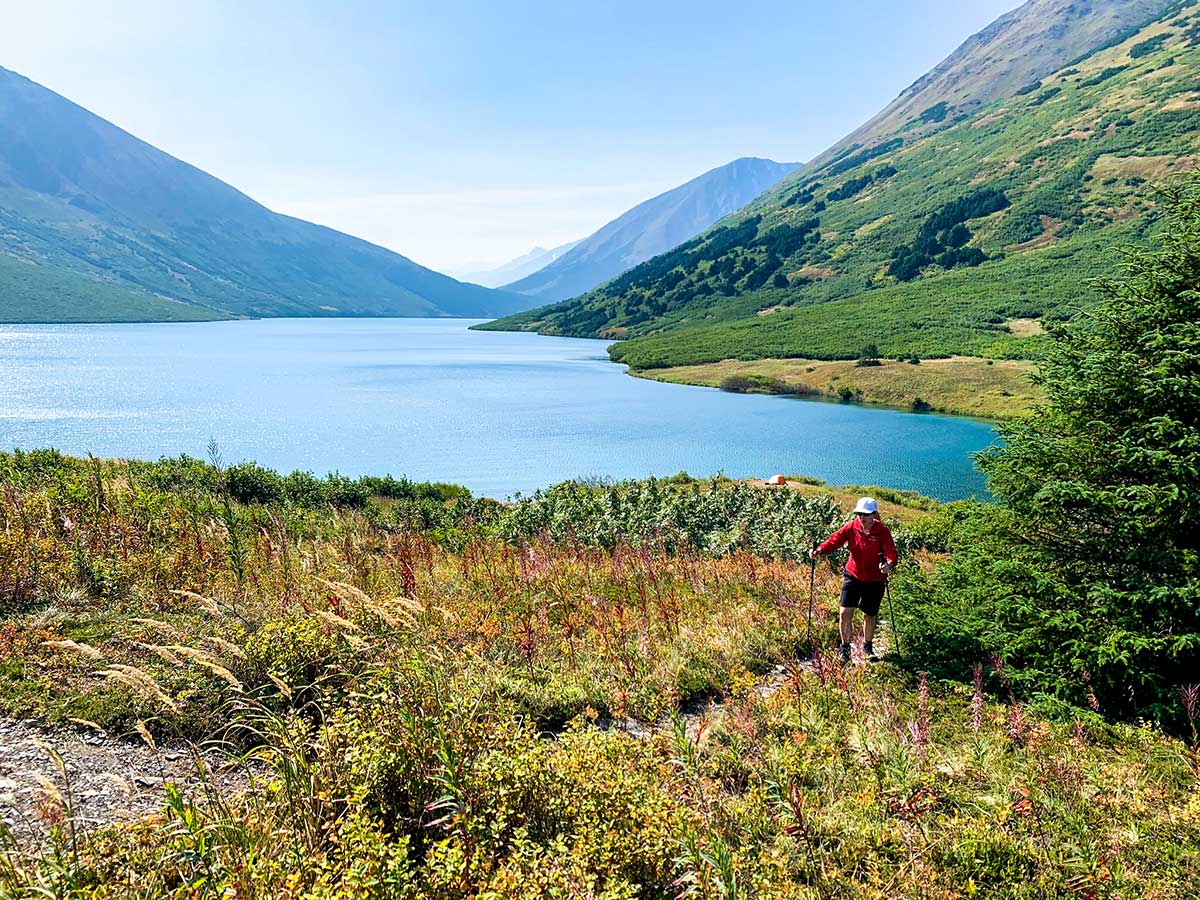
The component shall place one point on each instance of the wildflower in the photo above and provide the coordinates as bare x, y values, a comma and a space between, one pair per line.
977, 700
919, 730
1091, 694
1017, 724
1190, 693
1023, 805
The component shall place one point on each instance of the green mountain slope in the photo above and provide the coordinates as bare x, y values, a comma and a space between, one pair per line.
653, 227
1036, 39
96, 225
931, 240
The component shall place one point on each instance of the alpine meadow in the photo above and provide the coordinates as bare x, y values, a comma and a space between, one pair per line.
223, 679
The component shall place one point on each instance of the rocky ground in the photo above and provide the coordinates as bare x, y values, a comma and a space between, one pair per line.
48, 775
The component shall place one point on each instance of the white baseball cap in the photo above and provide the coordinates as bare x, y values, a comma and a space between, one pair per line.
867, 505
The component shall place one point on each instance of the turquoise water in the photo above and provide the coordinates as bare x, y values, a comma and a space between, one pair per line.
427, 398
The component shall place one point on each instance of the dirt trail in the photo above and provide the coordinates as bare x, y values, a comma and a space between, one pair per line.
773, 681
109, 781
106, 780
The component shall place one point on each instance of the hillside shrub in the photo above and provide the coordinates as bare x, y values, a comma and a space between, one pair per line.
943, 232
1102, 76
1148, 46
935, 113
864, 156
850, 188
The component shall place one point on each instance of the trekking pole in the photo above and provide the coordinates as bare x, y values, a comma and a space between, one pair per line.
887, 586
812, 587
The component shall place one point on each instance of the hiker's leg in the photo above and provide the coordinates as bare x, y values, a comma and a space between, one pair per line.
849, 602
847, 624
872, 597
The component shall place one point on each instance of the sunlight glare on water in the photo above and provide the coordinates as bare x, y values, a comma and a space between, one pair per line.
426, 398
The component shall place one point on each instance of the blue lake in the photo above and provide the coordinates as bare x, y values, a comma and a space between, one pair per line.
499, 413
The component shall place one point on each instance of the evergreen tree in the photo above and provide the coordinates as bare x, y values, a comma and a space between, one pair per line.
1087, 572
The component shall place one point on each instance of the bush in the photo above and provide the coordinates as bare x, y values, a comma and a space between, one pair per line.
737, 384
1148, 46
850, 188
251, 483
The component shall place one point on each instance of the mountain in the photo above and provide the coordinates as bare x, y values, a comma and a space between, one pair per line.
513, 270
653, 227
96, 225
1016, 50
960, 227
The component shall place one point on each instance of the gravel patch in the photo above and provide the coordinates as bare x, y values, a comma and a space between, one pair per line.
47, 774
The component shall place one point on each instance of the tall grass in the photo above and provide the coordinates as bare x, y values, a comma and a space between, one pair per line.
575, 695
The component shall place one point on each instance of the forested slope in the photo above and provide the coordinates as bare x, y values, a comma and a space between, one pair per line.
926, 244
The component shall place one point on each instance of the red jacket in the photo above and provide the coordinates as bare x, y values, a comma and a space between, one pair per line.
864, 549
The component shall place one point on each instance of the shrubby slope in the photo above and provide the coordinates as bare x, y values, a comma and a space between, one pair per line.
434, 696
927, 240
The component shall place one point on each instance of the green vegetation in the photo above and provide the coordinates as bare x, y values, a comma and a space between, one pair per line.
616, 690
448, 704
1045, 185
1084, 576
1148, 46
34, 293
619, 690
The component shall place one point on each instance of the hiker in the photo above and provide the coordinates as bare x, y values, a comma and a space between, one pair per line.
872, 558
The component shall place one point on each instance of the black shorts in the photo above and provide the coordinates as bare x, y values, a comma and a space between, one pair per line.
864, 595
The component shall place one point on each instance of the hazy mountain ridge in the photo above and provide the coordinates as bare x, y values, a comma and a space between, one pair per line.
926, 244
516, 269
83, 202
653, 227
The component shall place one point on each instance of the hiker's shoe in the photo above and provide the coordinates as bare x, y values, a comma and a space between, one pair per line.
869, 651
846, 654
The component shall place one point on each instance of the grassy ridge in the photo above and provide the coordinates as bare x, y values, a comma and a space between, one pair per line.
932, 243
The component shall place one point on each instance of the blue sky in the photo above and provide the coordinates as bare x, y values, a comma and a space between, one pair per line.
465, 132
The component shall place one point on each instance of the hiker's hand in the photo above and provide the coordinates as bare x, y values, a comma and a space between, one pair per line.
814, 554
886, 568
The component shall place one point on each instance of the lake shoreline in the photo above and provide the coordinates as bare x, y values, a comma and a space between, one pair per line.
1002, 395
987, 390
